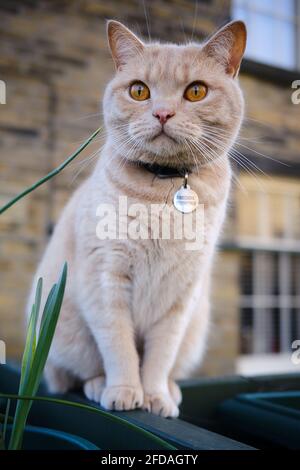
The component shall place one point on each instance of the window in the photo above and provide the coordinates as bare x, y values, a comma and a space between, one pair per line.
268, 233
268, 214
273, 30
270, 302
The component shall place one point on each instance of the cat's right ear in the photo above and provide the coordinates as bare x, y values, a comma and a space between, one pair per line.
228, 46
123, 44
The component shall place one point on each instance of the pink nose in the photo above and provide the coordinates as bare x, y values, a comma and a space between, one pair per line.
163, 115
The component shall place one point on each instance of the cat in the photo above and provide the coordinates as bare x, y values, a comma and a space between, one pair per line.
136, 312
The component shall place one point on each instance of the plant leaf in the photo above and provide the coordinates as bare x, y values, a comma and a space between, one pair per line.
6, 419
31, 384
49, 175
10, 419
48, 305
4, 425
30, 343
106, 414
50, 317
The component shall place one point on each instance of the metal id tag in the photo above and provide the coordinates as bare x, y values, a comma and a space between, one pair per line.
185, 199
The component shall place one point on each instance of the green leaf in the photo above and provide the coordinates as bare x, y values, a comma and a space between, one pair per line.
2, 444
112, 417
51, 174
50, 317
30, 343
6, 419
10, 419
31, 381
48, 305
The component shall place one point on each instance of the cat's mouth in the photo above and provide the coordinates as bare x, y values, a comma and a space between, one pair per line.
163, 133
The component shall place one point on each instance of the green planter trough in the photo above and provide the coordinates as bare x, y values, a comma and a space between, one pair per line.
107, 434
272, 417
37, 438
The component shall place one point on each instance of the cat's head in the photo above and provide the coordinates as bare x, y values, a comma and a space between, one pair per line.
175, 105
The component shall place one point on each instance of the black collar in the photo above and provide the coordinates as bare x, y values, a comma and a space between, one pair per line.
164, 172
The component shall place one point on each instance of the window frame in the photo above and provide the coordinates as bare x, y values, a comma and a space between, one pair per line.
261, 302
264, 243
252, 59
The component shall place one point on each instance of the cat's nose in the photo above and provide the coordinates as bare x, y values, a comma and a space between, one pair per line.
163, 115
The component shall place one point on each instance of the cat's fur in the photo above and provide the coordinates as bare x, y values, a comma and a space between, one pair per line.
136, 312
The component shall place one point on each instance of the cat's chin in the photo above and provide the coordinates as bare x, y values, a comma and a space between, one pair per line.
163, 137
163, 146
164, 151
175, 161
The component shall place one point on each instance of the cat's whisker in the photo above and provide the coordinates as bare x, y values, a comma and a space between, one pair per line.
264, 155
83, 163
131, 152
204, 150
81, 141
239, 155
194, 20
231, 151
202, 143
222, 132
127, 143
242, 165
249, 171
192, 153
87, 116
252, 164
183, 31
147, 19
215, 160
87, 161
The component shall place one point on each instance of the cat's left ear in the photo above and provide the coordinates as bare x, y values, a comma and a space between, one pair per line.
124, 45
228, 46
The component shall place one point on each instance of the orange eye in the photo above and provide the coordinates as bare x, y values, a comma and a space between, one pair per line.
139, 91
196, 91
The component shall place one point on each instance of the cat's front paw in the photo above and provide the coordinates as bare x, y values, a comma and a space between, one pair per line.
93, 388
122, 398
160, 404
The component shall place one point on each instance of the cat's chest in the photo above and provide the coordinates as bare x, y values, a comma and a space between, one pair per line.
158, 267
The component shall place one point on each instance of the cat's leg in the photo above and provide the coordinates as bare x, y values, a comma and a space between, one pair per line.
74, 356
93, 388
113, 331
160, 351
59, 380
194, 342
175, 392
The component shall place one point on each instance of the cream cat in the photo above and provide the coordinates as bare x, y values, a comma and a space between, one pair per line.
136, 312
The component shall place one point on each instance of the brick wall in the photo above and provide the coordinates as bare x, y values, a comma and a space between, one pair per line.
55, 62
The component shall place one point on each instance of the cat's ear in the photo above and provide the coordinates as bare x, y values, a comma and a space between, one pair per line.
228, 46
123, 43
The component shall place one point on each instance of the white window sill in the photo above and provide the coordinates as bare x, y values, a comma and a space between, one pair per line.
261, 364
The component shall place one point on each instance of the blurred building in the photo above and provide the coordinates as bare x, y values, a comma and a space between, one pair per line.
55, 63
